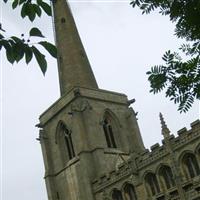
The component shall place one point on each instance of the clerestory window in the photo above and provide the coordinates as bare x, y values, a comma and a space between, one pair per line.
191, 165
152, 183
117, 195
129, 192
166, 175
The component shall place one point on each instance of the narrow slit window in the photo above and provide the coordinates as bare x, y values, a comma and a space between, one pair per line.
69, 143
57, 195
108, 131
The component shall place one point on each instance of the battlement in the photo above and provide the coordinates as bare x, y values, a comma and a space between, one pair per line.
147, 157
123, 170
158, 152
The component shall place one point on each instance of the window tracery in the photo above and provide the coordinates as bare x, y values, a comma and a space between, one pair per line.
108, 131
191, 165
64, 140
166, 175
117, 195
152, 183
68, 143
129, 192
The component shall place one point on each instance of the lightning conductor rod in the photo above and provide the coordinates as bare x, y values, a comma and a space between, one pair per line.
73, 65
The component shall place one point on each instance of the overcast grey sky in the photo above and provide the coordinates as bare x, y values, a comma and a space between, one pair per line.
121, 45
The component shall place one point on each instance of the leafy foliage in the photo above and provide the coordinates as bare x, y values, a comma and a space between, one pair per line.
30, 9
179, 78
18, 48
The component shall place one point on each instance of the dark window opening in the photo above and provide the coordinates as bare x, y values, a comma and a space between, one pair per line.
57, 195
161, 198
129, 192
108, 131
69, 144
190, 162
152, 183
63, 20
166, 173
117, 195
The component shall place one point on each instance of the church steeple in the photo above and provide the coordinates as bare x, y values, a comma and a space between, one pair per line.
73, 64
86, 130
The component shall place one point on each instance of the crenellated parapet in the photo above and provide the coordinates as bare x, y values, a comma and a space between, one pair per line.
158, 151
136, 167
105, 180
186, 136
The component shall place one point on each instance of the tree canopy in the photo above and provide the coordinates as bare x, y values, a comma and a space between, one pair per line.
179, 76
18, 48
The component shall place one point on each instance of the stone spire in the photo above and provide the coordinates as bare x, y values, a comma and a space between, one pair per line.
73, 64
164, 128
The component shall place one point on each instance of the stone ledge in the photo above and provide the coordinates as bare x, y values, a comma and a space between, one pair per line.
76, 92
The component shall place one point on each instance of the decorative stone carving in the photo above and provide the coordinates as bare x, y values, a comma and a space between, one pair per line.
80, 106
77, 92
105, 196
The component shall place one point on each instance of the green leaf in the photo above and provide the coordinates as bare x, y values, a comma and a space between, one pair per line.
35, 32
40, 59
18, 50
9, 56
28, 54
46, 7
16, 39
1, 36
5, 44
37, 10
22, 1
30, 12
50, 48
9, 53
23, 10
15, 3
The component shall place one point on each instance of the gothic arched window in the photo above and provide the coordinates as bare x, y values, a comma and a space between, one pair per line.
152, 183
129, 192
117, 195
68, 142
166, 175
64, 140
198, 152
108, 131
191, 165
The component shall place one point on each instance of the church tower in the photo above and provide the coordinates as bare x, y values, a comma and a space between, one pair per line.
88, 131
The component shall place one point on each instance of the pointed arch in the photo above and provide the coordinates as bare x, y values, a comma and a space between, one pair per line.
197, 150
58, 130
166, 176
110, 127
113, 115
190, 165
63, 138
129, 192
152, 183
117, 194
